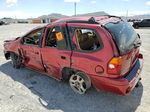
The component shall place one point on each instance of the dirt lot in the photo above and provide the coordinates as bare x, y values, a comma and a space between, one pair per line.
24, 90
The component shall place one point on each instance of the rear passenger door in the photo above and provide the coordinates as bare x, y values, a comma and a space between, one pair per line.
87, 48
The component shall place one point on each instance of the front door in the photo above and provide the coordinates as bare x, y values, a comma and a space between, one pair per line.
31, 50
54, 54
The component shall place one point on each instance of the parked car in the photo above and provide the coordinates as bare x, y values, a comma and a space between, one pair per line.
143, 23
133, 20
2, 22
100, 51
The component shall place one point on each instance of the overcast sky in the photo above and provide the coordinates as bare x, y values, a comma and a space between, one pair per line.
35, 8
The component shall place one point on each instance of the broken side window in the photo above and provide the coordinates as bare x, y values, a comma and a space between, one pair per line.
87, 39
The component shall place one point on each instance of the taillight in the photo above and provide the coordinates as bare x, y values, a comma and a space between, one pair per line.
114, 66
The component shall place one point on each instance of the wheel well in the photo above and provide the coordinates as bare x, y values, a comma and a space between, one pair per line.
67, 72
7, 55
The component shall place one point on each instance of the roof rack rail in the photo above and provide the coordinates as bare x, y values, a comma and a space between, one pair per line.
91, 20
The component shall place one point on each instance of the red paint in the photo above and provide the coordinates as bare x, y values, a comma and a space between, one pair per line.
90, 63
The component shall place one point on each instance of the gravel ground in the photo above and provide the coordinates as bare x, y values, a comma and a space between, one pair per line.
24, 90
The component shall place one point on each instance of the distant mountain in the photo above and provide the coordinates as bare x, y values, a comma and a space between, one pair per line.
53, 16
101, 13
58, 16
144, 16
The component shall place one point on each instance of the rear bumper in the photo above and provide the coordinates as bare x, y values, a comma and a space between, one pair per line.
122, 85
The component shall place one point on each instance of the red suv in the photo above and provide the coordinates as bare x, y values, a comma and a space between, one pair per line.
100, 51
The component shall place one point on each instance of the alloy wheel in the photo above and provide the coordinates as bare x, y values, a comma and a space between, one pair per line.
78, 84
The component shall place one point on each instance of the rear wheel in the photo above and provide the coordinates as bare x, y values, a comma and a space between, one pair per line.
79, 82
15, 60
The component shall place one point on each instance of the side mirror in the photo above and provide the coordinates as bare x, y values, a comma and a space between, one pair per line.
17, 38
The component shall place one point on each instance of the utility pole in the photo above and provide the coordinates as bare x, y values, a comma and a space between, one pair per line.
75, 5
75, 8
15, 19
127, 15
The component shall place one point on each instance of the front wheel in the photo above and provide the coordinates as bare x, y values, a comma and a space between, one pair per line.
79, 82
15, 60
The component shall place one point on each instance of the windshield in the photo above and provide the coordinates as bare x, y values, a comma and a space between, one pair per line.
124, 35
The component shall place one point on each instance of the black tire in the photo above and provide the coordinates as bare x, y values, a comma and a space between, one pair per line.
15, 60
136, 26
76, 85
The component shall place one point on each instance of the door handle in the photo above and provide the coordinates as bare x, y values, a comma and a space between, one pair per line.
63, 57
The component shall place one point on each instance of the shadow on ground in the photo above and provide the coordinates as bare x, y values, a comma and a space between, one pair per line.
59, 95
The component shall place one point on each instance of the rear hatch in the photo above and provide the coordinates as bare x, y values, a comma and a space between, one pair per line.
127, 42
